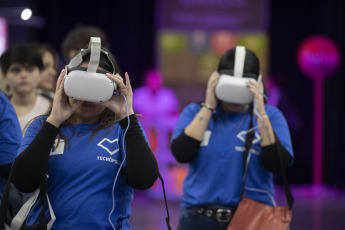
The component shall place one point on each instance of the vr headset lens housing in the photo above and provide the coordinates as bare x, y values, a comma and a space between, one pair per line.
89, 84
232, 85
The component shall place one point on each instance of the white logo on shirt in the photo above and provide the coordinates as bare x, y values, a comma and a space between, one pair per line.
106, 140
242, 136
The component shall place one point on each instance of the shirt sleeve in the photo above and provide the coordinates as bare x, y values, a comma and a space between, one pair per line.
271, 154
10, 132
282, 146
141, 165
185, 148
10, 135
30, 167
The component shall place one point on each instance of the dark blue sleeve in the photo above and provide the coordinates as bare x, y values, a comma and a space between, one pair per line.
141, 165
10, 134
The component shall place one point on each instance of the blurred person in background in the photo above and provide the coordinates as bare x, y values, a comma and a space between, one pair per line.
159, 109
50, 59
210, 137
22, 66
79, 38
10, 138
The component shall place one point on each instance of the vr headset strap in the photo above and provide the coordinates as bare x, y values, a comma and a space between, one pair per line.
95, 47
240, 55
75, 61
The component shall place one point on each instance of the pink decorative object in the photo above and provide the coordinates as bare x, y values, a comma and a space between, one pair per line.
318, 57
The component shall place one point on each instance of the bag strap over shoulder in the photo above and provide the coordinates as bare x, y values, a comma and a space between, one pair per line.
18, 221
4, 206
249, 139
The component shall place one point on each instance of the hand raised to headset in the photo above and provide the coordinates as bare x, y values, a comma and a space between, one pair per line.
211, 99
117, 103
257, 88
61, 109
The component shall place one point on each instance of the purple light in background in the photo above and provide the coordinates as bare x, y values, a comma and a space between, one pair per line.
318, 57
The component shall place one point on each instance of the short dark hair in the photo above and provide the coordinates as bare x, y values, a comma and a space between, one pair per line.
251, 62
24, 54
79, 38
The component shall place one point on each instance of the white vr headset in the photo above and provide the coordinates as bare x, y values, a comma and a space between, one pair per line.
89, 84
232, 87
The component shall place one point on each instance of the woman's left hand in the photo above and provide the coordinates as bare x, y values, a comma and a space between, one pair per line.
117, 103
257, 88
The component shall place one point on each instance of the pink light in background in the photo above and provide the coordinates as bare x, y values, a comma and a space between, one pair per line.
318, 57
3, 35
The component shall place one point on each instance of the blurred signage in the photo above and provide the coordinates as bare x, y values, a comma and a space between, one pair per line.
213, 14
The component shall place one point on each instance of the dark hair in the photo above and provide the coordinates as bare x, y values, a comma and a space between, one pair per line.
251, 62
79, 38
42, 48
104, 61
23, 54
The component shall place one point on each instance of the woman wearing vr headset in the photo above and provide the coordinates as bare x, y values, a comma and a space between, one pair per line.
211, 136
94, 154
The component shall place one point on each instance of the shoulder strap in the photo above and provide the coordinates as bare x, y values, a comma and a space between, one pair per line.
18, 220
289, 197
248, 144
4, 206
249, 139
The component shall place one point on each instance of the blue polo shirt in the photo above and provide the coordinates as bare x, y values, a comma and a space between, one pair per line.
10, 135
81, 177
215, 176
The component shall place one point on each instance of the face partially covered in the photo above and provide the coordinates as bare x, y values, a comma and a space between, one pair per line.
88, 112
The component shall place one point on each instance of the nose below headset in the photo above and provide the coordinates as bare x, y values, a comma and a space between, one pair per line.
89, 84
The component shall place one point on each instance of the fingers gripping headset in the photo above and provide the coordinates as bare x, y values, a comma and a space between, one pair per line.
232, 85
89, 84
92, 85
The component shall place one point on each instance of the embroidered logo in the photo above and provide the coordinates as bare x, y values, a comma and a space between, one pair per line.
109, 145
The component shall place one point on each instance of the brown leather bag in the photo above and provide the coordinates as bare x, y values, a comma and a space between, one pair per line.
254, 215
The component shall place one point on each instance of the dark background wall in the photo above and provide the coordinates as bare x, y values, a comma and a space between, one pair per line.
130, 26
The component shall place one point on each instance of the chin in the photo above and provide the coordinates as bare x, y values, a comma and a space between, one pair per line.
235, 108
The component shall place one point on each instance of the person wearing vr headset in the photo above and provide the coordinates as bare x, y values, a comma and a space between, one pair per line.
211, 136
94, 153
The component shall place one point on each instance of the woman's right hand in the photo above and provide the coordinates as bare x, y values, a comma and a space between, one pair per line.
211, 100
61, 108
